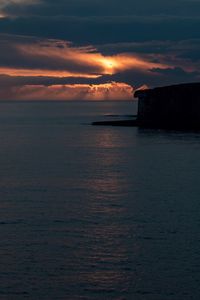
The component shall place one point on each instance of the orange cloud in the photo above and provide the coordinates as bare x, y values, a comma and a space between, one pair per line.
107, 91
47, 73
32, 57
59, 55
122, 62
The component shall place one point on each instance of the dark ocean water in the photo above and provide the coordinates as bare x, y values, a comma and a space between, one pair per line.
96, 212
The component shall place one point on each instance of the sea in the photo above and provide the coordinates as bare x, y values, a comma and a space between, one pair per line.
96, 212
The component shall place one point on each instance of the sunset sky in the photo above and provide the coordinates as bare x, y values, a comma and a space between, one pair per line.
96, 49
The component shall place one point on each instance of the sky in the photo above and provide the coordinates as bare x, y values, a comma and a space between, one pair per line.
96, 49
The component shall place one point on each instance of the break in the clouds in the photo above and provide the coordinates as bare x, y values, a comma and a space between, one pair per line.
94, 49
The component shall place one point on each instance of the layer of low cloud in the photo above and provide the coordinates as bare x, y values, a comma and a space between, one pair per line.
107, 91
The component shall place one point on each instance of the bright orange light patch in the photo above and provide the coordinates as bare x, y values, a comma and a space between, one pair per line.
109, 64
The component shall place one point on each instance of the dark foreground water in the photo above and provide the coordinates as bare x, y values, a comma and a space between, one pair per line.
96, 212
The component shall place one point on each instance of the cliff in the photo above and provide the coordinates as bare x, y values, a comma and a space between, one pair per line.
176, 106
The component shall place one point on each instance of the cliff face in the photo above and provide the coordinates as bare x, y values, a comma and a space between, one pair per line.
172, 106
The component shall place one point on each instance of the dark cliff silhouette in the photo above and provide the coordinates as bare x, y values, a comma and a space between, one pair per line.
173, 107
176, 106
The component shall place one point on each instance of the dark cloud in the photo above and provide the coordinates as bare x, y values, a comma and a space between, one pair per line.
155, 77
7, 80
102, 21
100, 30
100, 7
152, 46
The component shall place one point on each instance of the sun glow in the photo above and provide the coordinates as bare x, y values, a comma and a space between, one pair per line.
109, 64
